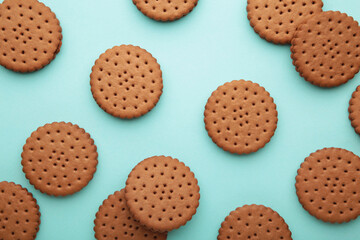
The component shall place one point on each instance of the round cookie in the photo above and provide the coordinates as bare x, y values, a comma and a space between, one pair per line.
126, 81
162, 193
30, 35
165, 10
354, 110
59, 158
326, 49
19, 213
328, 185
114, 221
254, 222
240, 117
277, 20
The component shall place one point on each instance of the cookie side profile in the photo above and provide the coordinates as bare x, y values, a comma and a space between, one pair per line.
277, 20
165, 10
19, 213
328, 184
59, 158
162, 193
240, 117
254, 222
114, 221
326, 49
354, 110
126, 81
30, 35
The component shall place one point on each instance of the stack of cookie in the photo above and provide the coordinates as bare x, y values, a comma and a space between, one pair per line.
161, 195
325, 46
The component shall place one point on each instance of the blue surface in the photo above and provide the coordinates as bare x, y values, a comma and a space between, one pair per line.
212, 45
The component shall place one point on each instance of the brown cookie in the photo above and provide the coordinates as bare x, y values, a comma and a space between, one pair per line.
165, 10
326, 49
59, 158
114, 221
30, 35
354, 110
126, 81
254, 222
162, 193
240, 117
19, 213
328, 185
277, 20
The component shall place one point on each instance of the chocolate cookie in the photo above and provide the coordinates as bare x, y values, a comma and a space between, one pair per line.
19, 213
59, 158
354, 110
165, 10
30, 35
114, 221
326, 49
162, 193
126, 81
254, 222
328, 185
240, 117
277, 20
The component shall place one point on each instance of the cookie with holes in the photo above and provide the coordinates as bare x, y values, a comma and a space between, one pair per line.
328, 185
126, 81
277, 20
162, 193
354, 110
326, 49
30, 35
240, 117
165, 10
59, 158
254, 222
114, 221
19, 213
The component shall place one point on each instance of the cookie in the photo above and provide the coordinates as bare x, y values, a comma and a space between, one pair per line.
254, 222
165, 10
277, 20
126, 81
114, 221
19, 213
162, 193
59, 158
328, 185
30, 35
326, 49
240, 117
354, 110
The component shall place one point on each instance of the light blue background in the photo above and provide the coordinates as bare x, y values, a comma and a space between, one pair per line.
212, 45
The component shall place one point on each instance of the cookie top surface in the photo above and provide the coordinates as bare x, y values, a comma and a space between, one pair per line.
328, 185
240, 117
162, 193
165, 10
19, 213
59, 158
254, 222
126, 81
114, 221
326, 49
354, 110
277, 20
30, 35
